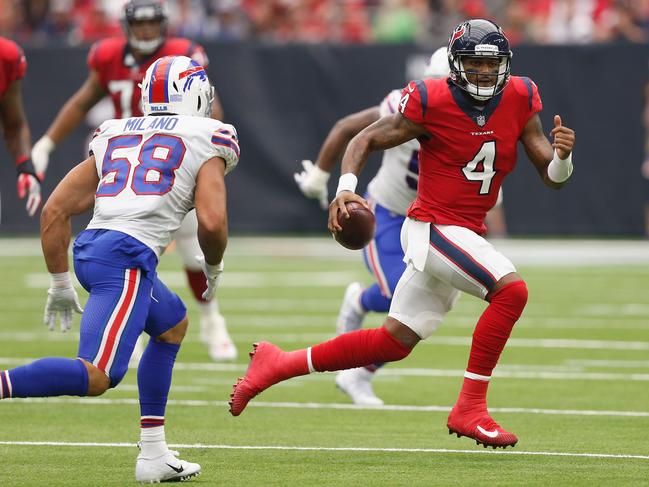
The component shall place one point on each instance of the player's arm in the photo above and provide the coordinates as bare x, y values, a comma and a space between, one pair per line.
17, 138
68, 119
72, 196
553, 161
385, 133
211, 213
313, 179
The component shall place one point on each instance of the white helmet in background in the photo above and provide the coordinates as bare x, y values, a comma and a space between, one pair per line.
177, 85
438, 66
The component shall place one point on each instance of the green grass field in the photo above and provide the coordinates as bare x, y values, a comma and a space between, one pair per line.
573, 383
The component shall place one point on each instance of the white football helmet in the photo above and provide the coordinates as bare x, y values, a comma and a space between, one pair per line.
177, 85
438, 66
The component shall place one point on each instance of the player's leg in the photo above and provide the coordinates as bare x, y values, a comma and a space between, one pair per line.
213, 329
166, 323
384, 258
113, 318
473, 265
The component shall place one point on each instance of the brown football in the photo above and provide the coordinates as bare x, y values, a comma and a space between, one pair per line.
357, 230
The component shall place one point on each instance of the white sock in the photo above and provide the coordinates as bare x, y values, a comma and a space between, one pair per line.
208, 308
152, 442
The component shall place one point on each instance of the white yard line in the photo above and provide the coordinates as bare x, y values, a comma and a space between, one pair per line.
506, 371
326, 406
200, 446
527, 252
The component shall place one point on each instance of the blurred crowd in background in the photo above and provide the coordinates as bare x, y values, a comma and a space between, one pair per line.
73, 22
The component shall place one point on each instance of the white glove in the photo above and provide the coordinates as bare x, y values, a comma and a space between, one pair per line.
63, 299
313, 182
41, 154
213, 275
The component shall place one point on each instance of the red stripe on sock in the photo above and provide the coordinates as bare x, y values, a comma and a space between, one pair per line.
494, 327
357, 349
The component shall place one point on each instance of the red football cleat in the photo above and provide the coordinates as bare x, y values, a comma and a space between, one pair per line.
264, 370
479, 426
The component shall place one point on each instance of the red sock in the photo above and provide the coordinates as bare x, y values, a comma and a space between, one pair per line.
197, 283
473, 395
357, 349
494, 327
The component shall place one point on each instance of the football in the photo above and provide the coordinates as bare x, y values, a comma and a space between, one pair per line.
357, 230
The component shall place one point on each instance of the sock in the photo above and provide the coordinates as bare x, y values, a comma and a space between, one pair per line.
373, 300
208, 308
154, 381
197, 283
494, 327
473, 395
152, 441
46, 377
357, 349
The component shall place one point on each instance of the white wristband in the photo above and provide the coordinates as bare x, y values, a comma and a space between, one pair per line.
60, 280
46, 143
347, 182
559, 170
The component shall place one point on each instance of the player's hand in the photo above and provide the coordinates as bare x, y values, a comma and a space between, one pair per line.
564, 138
41, 155
61, 299
213, 275
28, 186
338, 209
313, 182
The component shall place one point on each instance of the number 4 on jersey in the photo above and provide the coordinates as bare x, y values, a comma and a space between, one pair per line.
481, 167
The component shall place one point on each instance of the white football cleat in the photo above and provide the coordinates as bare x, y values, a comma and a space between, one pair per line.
214, 334
357, 384
165, 468
134, 361
351, 313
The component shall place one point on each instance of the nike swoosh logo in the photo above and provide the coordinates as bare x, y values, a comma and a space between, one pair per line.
411, 88
178, 470
490, 434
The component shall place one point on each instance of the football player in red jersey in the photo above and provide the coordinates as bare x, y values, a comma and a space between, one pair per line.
117, 66
468, 127
14, 123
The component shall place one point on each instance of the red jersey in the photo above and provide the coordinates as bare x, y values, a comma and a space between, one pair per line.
119, 73
12, 64
467, 152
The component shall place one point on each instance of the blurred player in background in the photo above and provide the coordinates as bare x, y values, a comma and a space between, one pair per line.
143, 176
389, 194
645, 164
468, 127
117, 66
14, 123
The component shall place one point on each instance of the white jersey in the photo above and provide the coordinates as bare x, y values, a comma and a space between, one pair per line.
147, 168
395, 184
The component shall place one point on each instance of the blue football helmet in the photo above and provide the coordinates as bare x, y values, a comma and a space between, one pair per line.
477, 38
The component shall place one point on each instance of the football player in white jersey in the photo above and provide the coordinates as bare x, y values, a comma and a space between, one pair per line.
143, 175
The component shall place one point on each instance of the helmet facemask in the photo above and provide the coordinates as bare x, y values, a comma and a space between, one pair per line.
478, 92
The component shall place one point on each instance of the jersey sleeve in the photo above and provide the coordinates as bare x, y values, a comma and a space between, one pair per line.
414, 101
531, 92
225, 144
14, 60
390, 103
